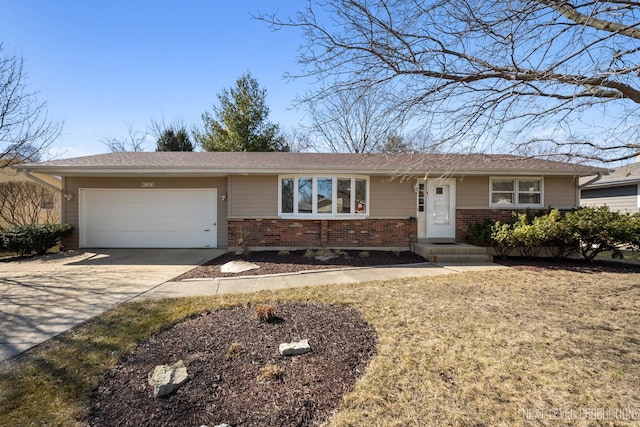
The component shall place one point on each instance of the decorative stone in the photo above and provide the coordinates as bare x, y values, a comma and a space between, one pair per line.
165, 379
238, 267
295, 348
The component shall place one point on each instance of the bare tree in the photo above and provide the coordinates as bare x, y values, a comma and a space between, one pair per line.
417, 141
25, 129
481, 72
296, 139
352, 122
134, 141
26, 202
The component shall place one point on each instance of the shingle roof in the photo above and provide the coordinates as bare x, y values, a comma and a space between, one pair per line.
249, 162
622, 175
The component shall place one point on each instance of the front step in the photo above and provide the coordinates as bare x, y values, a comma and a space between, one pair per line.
455, 253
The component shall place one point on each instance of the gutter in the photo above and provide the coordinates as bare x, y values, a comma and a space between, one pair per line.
41, 181
597, 178
225, 171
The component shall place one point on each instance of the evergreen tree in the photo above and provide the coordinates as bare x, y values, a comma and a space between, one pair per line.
240, 122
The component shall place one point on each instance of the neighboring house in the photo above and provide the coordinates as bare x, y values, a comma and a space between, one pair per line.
43, 206
299, 200
620, 190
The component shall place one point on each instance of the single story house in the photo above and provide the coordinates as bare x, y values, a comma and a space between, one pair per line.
298, 200
620, 190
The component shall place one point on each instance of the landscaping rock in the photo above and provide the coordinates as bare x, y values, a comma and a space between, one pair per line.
165, 379
238, 267
324, 258
294, 348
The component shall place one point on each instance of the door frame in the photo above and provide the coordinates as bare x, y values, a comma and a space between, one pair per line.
423, 201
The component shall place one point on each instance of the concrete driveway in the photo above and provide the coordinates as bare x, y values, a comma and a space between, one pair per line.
44, 296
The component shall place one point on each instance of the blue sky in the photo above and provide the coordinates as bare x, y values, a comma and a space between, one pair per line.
103, 65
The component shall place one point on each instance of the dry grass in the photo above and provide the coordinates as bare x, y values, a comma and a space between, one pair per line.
271, 373
265, 312
235, 349
495, 348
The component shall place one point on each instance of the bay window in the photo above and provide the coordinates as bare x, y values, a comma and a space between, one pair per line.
323, 196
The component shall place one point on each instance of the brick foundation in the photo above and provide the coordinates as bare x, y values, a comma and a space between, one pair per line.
367, 233
466, 217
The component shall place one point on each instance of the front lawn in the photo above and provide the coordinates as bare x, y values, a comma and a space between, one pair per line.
510, 347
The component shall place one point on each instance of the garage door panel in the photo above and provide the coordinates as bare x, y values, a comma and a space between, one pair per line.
175, 210
151, 239
148, 218
139, 224
159, 224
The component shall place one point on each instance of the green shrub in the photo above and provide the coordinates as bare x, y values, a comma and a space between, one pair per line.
588, 231
479, 233
525, 236
600, 229
34, 238
555, 236
502, 239
634, 240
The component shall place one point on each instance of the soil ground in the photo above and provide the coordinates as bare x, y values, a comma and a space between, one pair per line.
225, 353
272, 262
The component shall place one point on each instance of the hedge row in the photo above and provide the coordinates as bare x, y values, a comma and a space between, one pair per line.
587, 231
28, 239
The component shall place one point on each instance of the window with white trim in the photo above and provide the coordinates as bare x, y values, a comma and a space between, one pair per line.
516, 192
323, 196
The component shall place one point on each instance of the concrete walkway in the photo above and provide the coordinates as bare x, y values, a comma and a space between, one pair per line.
246, 284
44, 296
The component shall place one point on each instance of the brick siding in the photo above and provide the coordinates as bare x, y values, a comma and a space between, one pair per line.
323, 233
466, 217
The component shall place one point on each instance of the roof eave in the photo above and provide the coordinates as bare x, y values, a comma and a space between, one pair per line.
615, 182
222, 171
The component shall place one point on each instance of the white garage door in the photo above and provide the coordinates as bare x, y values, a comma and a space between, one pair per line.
184, 218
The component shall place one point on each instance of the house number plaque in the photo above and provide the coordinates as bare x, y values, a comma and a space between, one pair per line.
148, 184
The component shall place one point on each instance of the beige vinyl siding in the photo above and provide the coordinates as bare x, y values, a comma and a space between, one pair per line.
257, 197
472, 192
73, 184
559, 192
619, 203
391, 198
253, 196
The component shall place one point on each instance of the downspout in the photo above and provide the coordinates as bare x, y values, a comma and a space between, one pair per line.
596, 178
48, 185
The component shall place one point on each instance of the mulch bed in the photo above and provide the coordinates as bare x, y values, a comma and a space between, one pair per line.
224, 387
273, 262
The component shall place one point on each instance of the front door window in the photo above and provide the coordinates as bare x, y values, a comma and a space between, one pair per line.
436, 208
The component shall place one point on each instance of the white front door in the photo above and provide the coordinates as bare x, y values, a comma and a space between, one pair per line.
437, 208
